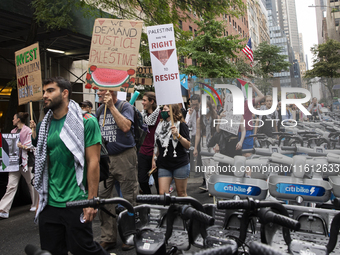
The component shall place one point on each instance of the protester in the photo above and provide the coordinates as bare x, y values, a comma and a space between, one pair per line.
66, 169
288, 114
26, 164
248, 142
315, 109
170, 155
191, 120
121, 146
296, 114
151, 117
270, 121
228, 144
205, 126
86, 106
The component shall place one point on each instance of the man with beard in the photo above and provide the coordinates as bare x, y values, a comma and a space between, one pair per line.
66, 169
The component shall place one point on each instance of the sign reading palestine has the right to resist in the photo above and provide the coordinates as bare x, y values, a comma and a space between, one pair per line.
164, 64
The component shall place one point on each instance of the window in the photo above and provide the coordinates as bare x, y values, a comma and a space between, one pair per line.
195, 32
182, 59
194, 62
180, 24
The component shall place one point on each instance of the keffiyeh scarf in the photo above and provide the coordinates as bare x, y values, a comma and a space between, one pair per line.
152, 118
72, 135
163, 134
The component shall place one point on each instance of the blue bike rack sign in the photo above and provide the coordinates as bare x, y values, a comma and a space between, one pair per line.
303, 190
237, 189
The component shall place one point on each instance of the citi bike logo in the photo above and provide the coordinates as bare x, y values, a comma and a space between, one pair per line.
300, 189
238, 103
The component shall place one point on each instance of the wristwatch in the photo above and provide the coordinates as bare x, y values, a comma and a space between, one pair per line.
155, 158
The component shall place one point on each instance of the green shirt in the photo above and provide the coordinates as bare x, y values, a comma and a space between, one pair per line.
62, 183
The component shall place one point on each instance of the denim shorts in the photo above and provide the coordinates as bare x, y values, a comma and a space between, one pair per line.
179, 173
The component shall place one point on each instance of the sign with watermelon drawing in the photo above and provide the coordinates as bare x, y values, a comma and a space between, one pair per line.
163, 55
28, 69
9, 152
114, 54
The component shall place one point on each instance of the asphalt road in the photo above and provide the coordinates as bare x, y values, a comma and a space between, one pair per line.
19, 229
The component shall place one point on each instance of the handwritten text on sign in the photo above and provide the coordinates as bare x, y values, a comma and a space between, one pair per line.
115, 43
28, 69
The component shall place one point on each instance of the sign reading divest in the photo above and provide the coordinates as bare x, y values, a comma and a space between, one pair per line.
164, 64
232, 124
28, 68
114, 54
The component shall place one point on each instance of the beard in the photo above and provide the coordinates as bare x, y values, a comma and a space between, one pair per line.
54, 104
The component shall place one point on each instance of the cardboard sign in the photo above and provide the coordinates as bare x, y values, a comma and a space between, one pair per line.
164, 64
9, 152
232, 121
28, 69
114, 54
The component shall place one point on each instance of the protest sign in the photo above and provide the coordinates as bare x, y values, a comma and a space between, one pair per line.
28, 69
9, 152
114, 54
164, 64
231, 123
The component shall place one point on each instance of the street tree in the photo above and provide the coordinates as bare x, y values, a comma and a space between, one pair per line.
58, 14
326, 63
269, 60
211, 50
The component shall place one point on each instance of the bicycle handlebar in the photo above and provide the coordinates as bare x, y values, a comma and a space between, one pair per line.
207, 154
260, 248
266, 215
191, 213
98, 202
227, 249
166, 199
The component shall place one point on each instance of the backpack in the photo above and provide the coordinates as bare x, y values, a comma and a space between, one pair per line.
104, 167
140, 129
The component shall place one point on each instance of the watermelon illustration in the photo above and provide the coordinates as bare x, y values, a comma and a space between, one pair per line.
111, 78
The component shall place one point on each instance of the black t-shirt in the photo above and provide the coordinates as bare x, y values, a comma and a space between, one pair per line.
170, 162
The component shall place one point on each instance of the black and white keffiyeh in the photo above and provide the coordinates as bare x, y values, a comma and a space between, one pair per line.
163, 134
72, 135
152, 118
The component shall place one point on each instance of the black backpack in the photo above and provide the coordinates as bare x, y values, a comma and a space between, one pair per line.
140, 129
104, 161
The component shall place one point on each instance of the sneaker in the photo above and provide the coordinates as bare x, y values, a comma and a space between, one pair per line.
4, 215
171, 189
108, 245
126, 247
203, 186
33, 209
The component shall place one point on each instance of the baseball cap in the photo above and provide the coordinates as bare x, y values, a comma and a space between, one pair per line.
86, 103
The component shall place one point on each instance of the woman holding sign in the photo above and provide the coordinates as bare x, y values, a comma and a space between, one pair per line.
170, 155
26, 162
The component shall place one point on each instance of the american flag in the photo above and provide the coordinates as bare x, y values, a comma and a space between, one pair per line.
248, 51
